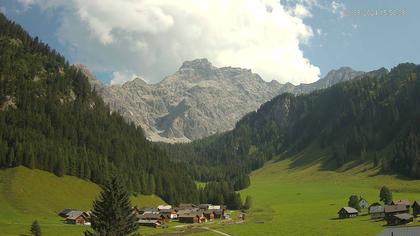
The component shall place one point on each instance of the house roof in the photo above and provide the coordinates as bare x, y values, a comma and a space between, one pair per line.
390, 231
376, 209
166, 211
74, 215
394, 208
149, 216
148, 221
401, 202
416, 202
164, 207
148, 209
66, 211
349, 210
404, 216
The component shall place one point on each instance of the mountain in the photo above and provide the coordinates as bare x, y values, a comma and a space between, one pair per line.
51, 119
199, 99
373, 118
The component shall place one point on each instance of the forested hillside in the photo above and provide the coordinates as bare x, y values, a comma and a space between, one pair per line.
51, 120
375, 117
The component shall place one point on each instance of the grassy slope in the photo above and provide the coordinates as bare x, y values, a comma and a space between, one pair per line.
304, 200
26, 195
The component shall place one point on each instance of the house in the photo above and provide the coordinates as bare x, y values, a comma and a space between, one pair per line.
186, 206
149, 223
196, 217
164, 207
391, 210
406, 203
219, 213
152, 216
400, 219
169, 213
347, 212
64, 213
147, 210
416, 208
209, 214
204, 206
363, 203
377, 212
77, 218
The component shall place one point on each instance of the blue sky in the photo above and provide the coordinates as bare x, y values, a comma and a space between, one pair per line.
361, 34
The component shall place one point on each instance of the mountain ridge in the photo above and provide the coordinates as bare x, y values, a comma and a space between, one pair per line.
199, 99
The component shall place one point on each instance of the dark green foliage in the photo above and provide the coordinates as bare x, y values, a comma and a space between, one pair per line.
112, 213
35, 229
220, 193
385, 195
354, 202
52, 120
248, 202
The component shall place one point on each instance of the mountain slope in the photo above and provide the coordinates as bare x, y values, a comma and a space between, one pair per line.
26, 195
50, 119
199, 99
373, 118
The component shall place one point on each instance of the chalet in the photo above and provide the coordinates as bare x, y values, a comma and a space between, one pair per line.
169, 213
391, 210
192, 218
363, 203
377, 212
152, 216
186, 206
204, 206
147, 210
416, 208
164, 207
400, 219
64, 213
209, 214
77, 218
347, 212
394, 231
406, 203
149, 223
219, 213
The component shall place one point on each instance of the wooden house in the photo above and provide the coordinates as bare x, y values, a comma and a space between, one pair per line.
209, 214
400, 219
363, 203
416, 208
147, 210
219, 213
377, 212
64, 213
77, 218
192, 218
169, 213
347, 212
149, 223
405, 203
391, 210
152, 216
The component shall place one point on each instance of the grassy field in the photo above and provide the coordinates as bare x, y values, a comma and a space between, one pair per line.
289, 200
26, 195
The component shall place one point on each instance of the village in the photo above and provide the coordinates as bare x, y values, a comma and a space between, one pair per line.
160, 216
395, 213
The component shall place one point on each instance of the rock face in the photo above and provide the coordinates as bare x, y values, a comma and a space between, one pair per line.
199, 99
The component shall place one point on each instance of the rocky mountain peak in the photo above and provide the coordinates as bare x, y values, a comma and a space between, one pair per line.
197, 64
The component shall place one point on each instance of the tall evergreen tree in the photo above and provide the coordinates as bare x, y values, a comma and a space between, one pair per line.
354, 202
385, 195
35, 229
112, 213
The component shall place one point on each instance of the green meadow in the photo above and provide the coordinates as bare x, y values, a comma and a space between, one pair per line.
26, 195
291, 199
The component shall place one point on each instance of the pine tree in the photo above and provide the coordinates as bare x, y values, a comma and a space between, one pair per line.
35, 228
248, 202
385, 195
354, 202
112, 213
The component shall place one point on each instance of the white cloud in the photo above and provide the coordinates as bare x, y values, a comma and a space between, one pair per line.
152, 38
338, 8
121, 77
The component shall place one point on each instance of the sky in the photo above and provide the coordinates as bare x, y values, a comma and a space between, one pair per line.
288, 41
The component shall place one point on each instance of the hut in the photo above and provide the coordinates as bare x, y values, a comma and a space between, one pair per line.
400, 219
391, 210
416, 208
377, 212
347, 212
404, 202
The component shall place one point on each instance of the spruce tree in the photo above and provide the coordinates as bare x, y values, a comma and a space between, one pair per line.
35, 228
112, 213
385, 195
354, 202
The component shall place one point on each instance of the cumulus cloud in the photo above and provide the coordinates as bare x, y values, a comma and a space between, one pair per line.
152, 38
